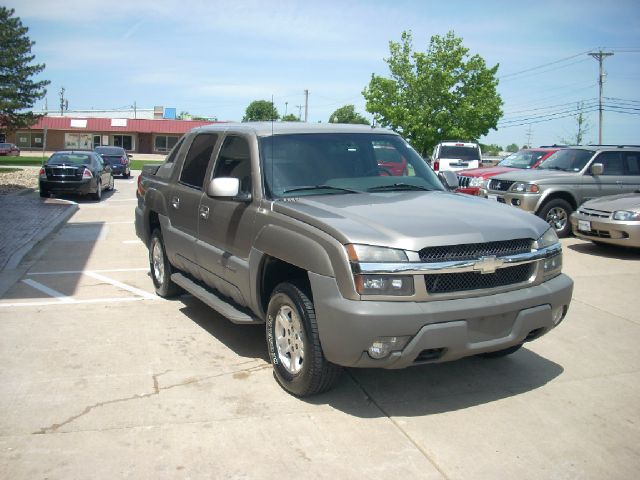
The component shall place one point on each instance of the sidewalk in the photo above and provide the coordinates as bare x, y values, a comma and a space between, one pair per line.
26, 219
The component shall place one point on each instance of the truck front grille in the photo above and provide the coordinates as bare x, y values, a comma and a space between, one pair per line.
461, 282
500, 185
474, 251
463, 182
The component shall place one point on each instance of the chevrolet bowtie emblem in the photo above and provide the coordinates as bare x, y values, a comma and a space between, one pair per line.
488, 264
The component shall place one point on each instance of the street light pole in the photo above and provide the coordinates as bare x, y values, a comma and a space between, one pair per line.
600, 56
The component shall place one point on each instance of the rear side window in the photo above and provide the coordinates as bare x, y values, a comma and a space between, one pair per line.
174, 152
195, 165
612, 162
632, 160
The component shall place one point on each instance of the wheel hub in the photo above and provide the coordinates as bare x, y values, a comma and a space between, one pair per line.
289, 339
157, 262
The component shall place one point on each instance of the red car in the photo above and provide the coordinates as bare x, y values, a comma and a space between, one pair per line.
390, 161
9, 149
470, 181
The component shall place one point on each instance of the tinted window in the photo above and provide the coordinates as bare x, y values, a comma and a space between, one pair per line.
234, 161
522, 159
70, 158
195, 164
463, 153
568, 160
612, 162
110, 151
632, 160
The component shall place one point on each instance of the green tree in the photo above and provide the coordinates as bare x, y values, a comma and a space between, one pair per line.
491, 149
18, 90
512, 148
290, 117
443, 93
260, 110
347, 114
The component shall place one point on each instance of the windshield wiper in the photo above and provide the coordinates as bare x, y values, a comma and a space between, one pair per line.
397, 186
321, 187
554, 168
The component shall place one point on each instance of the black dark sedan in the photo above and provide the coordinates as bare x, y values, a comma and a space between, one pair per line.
79, 172
116, 157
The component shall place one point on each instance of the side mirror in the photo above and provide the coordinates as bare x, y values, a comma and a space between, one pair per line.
129, 155
228, 188
448, 179
597, 169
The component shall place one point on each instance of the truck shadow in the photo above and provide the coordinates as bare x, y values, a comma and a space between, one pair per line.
606, 251
414, 391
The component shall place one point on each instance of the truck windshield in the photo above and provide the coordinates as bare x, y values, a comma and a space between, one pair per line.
310, 164
568, 160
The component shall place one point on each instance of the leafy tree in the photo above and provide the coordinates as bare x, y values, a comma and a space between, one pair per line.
260, 110
441, 94
290, 117
512, 148
18, 91
347, 114
492, 149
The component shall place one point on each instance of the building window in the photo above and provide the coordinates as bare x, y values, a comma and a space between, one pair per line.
82, 141
29, 139
124, 141
164, 143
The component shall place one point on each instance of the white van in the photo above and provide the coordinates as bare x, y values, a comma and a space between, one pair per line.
456, 156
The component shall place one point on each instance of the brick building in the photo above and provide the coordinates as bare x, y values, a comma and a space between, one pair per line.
134, 135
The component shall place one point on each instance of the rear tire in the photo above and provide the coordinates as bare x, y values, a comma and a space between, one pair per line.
161, 268
556, 213
98, 195
294, 346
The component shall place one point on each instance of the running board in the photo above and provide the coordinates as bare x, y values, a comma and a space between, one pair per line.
221, 306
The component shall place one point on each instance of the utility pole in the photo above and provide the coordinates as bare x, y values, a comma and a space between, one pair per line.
529, 134
600, 56
299, 107
135, 110
306, 105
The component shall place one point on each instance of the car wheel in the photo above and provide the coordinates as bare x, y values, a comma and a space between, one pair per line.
556, 213
294, 346
501, 353
161, 268
98, 195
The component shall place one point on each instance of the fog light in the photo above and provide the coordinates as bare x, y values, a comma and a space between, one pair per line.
383, 346
557, 314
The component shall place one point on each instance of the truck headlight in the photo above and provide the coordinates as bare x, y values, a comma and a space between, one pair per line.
372, 254
400, 285
521, 187
626, 216
476, 182
552, 266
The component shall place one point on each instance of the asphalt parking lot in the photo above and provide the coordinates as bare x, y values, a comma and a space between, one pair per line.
102, 379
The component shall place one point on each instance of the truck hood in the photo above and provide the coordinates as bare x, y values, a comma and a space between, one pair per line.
485, 172
538, 175
412, 220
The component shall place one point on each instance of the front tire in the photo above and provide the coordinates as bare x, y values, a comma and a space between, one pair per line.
556, 213
294, 346
161, 268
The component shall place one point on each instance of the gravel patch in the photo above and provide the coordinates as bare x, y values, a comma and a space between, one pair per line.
12, 182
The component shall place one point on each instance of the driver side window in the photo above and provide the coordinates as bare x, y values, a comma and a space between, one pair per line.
234, 161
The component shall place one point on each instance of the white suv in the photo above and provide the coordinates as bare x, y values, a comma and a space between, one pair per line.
456, 156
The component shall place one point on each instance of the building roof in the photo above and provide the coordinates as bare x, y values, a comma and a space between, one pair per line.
97, 125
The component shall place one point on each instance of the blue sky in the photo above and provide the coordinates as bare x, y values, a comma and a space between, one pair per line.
213, 58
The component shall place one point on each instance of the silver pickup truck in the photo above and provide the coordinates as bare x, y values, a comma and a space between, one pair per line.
345, 243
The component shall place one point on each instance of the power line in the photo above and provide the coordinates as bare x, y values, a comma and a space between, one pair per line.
543, 65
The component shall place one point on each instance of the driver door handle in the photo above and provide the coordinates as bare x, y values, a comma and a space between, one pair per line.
204, 212
175, 202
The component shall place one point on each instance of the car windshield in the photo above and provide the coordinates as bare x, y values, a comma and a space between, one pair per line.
463, 153
567, 160
522, 159
340, 163
69, 159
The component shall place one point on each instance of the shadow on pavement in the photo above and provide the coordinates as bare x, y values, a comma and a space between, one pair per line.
606, 251
414, 391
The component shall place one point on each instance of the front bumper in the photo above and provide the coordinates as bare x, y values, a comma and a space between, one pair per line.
81, 187
624, 234
440, 330
525, 201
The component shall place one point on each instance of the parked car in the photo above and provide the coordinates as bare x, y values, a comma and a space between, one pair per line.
390, 160
9, 149
297, 226
118, 158
471, 180
566, 180
456, 156
75, 172
613, 220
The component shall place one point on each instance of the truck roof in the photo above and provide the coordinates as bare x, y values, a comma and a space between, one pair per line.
263, 129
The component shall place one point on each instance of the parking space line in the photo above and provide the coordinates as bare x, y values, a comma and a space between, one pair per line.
77, 302
123, 286
49, 291
112, 270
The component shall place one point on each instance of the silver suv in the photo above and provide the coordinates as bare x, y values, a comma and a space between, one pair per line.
567, 179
